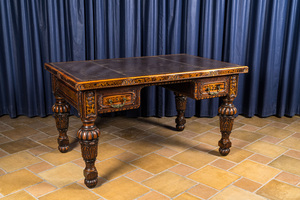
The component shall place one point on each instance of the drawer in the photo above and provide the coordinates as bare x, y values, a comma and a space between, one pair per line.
212, 87
118, 99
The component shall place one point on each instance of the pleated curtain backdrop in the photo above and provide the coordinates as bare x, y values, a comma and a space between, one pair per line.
264, 35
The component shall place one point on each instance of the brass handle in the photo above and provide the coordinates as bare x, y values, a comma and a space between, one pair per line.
214, 93
118, 105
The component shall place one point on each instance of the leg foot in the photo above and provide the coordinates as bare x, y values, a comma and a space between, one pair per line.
88, 138
61, 111
180, 107
226, 114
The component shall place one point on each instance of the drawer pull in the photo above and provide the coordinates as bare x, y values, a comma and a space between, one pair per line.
214, 93
118, 105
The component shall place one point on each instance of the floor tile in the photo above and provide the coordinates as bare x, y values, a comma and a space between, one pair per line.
186, 196
286, 120
178, 143
118, 142
275, 132
112, 168
139, 175
40, 189
154, 163
127, 156
106, 150
121, 189
291, 142
166, 152
22, 195
163, 131
2, 172
295, 127
214, 177
209, 138
18, 145
154, 138
188, 134
203, 191
223, 164
255, 171
55, 157
182, 169
4, 139
50, 130
131, 134
38, 136
73, 191
17, 161
39, 150
52, 141
278, 125
169, 183
293, 153
17, 180
260, 158
2, 153
233, 192
266, 149
4, 127
194, 158
246, 135
288, 178
270, 139
287, 164
62, 175
248, 127
19, 132
141, 147
237, 155
153, 195
256, 121
40, 167
204, 147
247, 184
106, 137
239, 143
276, 190
198, 127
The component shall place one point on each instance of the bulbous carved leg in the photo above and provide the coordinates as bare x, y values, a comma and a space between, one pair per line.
180, 107
88, 138
61, 111
226, 114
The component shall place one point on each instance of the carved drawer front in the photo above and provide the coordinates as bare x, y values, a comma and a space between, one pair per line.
118, 99
213, 87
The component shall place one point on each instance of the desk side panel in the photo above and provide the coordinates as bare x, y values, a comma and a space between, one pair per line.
65, 90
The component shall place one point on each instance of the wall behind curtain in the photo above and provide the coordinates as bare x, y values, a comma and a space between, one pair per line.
265, 35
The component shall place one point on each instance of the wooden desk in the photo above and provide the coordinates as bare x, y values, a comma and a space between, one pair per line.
102, 86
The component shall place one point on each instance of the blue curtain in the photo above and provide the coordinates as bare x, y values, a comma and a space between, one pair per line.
264, 35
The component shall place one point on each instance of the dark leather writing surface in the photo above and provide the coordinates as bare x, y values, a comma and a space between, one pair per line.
93, 70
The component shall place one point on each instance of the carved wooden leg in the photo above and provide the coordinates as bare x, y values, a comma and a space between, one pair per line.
88, 138
180, 107
61, 111
226, 114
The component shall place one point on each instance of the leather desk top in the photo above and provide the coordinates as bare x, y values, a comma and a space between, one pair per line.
105, 73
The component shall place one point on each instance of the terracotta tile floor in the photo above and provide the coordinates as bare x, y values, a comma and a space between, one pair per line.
145, 158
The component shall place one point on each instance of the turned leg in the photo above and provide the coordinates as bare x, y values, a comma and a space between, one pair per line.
88, 138
61, 111
180, 107
226, 114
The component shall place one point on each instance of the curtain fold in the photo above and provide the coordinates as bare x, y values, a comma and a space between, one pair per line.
263, 35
